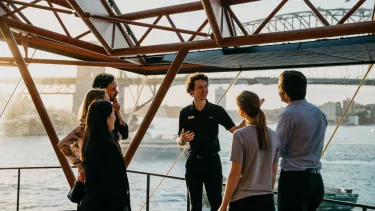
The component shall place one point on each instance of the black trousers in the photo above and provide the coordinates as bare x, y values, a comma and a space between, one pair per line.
299, 191
254, 203
207, 171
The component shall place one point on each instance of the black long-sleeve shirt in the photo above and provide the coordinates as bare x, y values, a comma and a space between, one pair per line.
122, 129
107, 186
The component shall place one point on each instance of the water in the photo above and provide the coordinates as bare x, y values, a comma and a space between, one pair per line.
349, 163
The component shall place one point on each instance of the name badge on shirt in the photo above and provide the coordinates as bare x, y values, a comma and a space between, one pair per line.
190, 117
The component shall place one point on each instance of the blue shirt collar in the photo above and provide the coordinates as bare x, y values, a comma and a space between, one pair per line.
296, 102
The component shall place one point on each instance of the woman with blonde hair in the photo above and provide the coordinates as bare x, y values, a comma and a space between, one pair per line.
254, 156
71, 145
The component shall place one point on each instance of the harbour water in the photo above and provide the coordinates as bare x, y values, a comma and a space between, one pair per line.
349, 163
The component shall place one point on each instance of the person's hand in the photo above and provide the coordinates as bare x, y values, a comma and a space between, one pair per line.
222, 208
262, 101
186, 136
81, 174
116, 106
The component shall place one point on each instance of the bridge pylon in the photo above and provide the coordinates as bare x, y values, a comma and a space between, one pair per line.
85, 77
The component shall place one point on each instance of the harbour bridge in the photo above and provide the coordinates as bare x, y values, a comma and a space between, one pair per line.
307, 20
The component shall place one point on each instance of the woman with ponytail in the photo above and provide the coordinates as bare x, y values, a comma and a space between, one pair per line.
254, 156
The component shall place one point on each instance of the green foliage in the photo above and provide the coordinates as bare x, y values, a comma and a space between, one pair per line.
22, 119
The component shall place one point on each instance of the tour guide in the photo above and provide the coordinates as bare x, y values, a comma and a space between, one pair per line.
199, 125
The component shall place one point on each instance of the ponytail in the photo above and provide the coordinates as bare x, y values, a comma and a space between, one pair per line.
249, 102
262, 131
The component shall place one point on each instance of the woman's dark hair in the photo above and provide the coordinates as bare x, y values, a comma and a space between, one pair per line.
190, 83
96, 129
249, 102
91, 96
102, 81
294, 83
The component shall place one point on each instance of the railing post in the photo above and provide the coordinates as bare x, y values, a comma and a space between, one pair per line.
148, 193
364, 209
18, 189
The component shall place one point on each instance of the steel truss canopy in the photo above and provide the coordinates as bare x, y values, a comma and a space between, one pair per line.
219, 42
223, 41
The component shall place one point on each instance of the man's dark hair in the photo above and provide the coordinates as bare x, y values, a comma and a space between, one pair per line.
294, 83
102, 81
191, 81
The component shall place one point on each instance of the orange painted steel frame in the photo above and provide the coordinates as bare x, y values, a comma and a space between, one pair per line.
107, 56
36, 99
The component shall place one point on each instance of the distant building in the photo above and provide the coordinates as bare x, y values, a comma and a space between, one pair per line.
371, 108
345, 104
339, 110
219, 92
330, 111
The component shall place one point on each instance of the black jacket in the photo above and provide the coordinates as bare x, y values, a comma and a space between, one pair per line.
107, 186
122, 129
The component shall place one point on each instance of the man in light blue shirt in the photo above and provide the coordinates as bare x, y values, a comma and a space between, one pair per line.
301, 129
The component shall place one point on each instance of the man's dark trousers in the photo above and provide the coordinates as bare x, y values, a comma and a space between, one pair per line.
205, 170
300, 191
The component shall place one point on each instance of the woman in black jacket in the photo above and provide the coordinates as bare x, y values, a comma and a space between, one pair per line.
107, 186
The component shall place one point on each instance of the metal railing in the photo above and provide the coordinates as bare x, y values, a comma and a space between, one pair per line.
148, 176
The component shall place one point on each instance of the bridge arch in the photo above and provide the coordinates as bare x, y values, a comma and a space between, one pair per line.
307, 19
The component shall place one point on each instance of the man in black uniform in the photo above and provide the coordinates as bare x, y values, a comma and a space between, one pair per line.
199, 125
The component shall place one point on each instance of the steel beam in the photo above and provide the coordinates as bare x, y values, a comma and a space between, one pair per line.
83, 34
54, 36
37, 100
39, 6
121, 20
90, 25
65, 50
7, 9
214, 15
170, 10
174, 26
59, 19
238, 22
148, 31
200, 28
295, 35
350, 13
120, 26
8, 61
273, 13
229, 22
317, 13
19, 9
176, 9
59, 47
61, 3
164, 87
